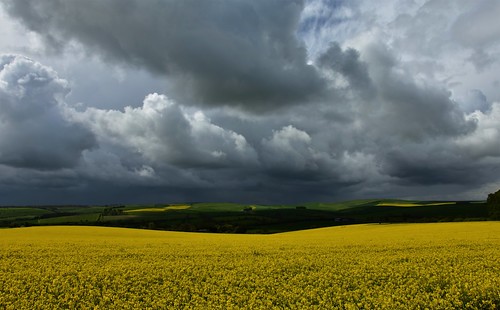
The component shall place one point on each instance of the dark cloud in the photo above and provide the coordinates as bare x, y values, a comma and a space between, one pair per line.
164, 146
233, 53
409, 108
426, 164
396, 106
34, 130
348, 64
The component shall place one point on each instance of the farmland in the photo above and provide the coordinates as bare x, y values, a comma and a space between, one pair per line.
245, 218
369, 266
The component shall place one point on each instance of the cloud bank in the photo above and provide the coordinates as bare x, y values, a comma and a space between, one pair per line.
266, 101
243, 53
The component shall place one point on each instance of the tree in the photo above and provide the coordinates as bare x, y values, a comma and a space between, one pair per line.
493, 203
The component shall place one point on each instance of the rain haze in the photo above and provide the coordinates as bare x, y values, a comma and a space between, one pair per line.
263, 101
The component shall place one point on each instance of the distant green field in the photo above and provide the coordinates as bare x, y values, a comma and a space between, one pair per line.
337, 206
71, 219
250, 218
21, 212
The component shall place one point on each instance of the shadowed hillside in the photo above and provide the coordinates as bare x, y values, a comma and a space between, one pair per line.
245, 218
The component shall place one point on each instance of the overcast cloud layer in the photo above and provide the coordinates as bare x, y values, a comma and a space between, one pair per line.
266, 101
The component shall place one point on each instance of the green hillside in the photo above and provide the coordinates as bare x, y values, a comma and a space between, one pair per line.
246, 218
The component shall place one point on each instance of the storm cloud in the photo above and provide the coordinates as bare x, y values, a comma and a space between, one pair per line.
263, 101
240, 53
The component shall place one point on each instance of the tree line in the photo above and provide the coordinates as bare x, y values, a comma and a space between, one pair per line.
493, 203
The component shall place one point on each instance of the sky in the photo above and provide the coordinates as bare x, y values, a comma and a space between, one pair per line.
261, 101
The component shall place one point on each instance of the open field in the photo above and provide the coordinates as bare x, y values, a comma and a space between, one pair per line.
395, 266
160, 209
411, 204
246, 218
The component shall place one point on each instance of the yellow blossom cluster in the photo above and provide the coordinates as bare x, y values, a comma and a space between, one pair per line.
411, 266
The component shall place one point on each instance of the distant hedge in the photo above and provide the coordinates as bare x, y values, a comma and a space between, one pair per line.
493, 203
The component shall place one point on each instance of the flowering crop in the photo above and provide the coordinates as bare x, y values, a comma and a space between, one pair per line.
410, 266
160, 209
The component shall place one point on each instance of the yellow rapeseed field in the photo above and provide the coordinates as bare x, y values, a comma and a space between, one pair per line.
410, 204
162, 209
410, 266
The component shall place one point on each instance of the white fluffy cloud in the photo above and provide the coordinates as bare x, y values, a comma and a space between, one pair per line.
483, 143
162, 132
289, 151
35, 131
